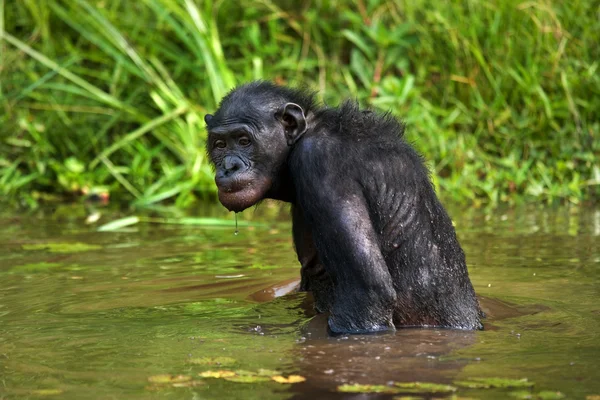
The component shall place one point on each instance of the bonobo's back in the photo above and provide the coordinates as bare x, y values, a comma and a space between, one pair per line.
417, 238
415, 234
348, 121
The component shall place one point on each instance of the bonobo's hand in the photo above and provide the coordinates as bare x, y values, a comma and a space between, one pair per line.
349, 327
363, 311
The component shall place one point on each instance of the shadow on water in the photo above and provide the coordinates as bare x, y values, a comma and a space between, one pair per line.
87, 314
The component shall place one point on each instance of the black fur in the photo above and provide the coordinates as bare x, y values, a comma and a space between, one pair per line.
377, 248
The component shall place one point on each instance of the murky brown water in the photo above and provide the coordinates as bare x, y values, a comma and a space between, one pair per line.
94, 315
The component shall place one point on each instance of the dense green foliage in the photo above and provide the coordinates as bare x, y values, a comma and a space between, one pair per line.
503, 97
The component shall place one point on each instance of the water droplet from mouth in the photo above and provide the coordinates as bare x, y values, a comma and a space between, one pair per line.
236, 225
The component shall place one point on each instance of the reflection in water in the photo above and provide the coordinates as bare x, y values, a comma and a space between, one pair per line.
407, 355
93, 315
279, 289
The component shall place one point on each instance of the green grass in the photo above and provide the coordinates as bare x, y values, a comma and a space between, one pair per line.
502, 97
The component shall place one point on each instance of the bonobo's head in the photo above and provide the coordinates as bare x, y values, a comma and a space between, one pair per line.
249, 139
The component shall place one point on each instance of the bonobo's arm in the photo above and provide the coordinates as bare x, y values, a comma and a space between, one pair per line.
314, 276
364, 296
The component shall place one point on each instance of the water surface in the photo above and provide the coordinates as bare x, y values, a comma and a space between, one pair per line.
99, 315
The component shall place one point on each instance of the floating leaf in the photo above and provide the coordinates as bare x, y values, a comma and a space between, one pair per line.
425, 387
62, 247
118, 224
217, 374
550, 395
522, 395
487, 383
543, 395
247, 378
357, 388
289, 379
213, 361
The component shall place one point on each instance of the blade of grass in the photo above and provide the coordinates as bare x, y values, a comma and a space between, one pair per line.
93, 90
44, 79
167, 194
96, 39
142, 130
1, 45
111, 167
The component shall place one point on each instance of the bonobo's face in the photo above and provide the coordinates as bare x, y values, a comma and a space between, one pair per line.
247, 145
247, 155
249, 139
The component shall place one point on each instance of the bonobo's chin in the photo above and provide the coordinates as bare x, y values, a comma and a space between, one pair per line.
240, 194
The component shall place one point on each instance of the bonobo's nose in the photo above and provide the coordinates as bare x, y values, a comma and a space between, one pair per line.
232, 164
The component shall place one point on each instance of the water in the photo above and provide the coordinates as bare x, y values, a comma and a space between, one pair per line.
101, 315
237, 231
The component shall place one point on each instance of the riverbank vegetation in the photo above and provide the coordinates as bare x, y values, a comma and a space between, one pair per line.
107, 96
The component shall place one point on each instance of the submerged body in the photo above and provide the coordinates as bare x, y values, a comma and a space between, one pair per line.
377, 248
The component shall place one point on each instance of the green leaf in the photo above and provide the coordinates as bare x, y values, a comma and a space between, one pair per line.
359, 42
487, 383
74, 165
93, 90
358, 388
139, 132
425, 387
543, 395
247, 378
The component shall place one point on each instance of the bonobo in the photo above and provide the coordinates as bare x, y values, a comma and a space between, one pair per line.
377, 248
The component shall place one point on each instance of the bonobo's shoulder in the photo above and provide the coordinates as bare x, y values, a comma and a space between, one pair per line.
314, 151
349, 120
309, 145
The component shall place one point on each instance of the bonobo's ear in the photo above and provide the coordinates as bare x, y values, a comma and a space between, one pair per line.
207, 118
291, 116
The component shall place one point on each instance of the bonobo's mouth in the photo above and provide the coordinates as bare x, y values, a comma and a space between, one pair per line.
239, 194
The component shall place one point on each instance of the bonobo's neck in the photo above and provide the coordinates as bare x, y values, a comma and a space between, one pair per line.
283, 188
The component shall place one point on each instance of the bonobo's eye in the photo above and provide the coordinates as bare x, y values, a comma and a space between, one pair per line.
219, 144
244, 141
